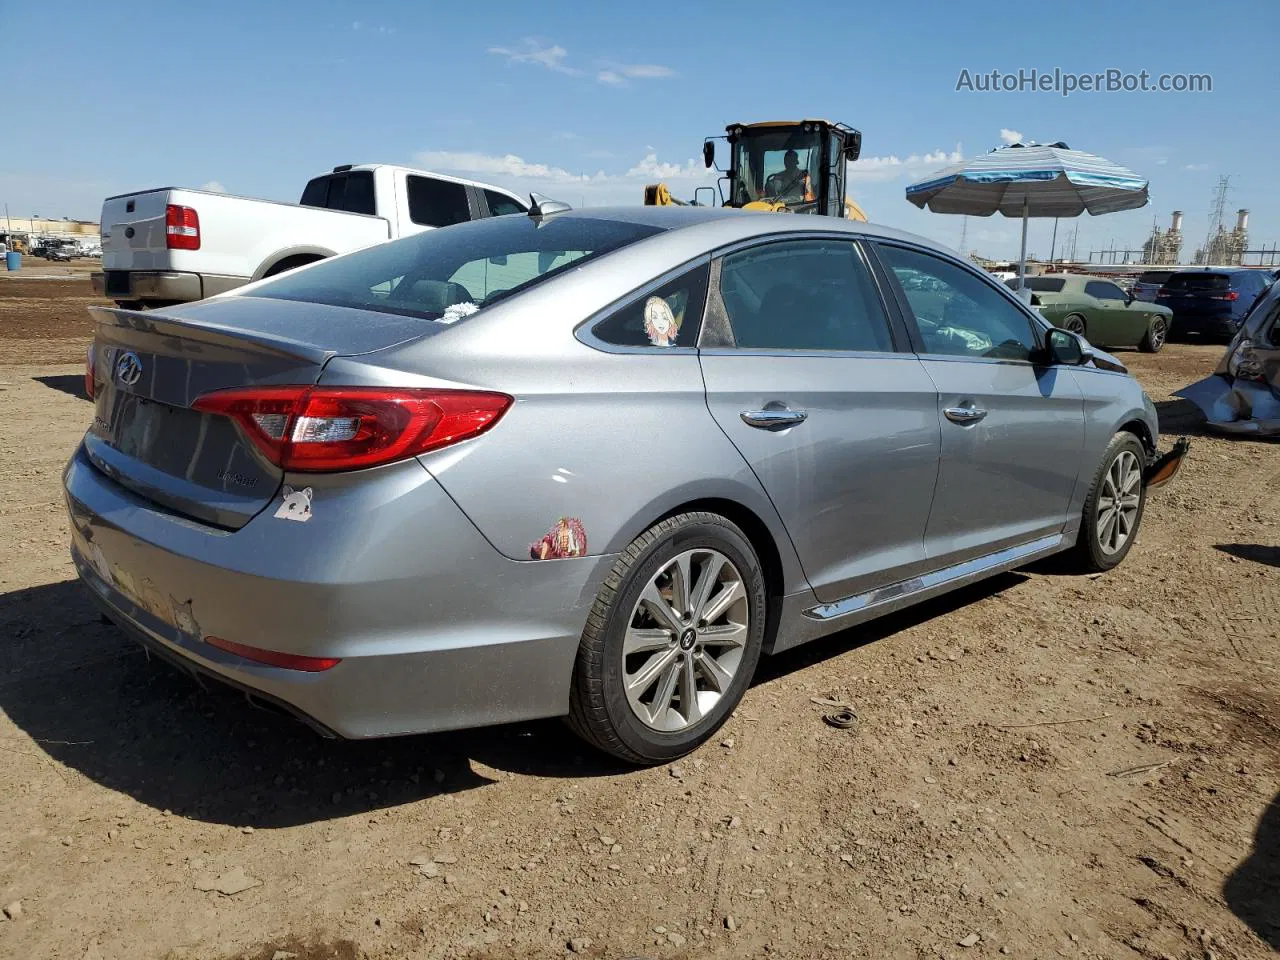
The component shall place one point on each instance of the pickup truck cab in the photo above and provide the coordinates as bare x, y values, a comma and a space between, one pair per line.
173, 245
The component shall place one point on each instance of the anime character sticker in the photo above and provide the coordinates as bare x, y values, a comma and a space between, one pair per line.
660, 324
567, 538
296, 504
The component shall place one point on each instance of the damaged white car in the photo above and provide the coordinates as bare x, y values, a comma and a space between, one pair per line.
1243, 394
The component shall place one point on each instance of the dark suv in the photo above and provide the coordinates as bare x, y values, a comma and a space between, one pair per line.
1211, 302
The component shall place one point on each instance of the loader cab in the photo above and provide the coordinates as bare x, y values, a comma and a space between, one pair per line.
799, 166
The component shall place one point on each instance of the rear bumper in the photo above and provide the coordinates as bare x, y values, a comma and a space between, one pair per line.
1204, 321
167, 285
435, 629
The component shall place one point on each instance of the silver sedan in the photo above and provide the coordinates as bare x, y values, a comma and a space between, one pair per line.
590, 464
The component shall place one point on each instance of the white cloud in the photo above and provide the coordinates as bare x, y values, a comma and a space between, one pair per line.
1010, 136
552, 56
892, 166
575, 187
1196, 166
617, 74
213, 186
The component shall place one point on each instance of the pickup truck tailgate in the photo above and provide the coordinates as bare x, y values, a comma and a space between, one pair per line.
133, 231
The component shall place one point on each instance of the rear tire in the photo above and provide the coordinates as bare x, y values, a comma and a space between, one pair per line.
1155, 337
1111, 517
289, 263
697, 672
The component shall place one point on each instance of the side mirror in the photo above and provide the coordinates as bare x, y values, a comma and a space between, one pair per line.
499, 261
708, 153
1065, 349
1129, 297
853, 146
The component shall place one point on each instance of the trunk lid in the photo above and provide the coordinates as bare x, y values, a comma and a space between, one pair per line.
133, 231
151, 366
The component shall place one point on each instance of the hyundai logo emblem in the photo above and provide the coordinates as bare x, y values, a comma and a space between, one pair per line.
128, 369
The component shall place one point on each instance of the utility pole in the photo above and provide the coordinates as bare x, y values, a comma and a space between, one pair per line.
964, 232
1053, 245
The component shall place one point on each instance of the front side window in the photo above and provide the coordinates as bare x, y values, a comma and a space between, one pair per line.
669, 316
1101, 290
437, 203
956, 312
452, 274
803, 295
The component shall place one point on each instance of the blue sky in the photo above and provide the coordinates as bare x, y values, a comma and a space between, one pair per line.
257, 97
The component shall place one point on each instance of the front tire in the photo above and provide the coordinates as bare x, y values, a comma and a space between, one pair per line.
1155, 337
1114, 507
671, 642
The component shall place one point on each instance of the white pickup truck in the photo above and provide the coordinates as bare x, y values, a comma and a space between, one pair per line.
173, 245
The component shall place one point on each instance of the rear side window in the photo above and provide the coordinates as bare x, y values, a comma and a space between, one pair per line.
1039, 284
437, 203
500, 204
1199, 282
352, 192
803, 295
669, 316
1154, 276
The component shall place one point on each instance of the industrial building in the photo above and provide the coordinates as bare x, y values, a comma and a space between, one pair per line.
26, 233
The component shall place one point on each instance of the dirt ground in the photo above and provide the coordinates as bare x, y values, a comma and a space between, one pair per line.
1043, 765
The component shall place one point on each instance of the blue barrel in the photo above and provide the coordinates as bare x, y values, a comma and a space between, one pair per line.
12, 260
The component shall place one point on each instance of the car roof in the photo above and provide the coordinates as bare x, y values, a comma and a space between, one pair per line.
732, 224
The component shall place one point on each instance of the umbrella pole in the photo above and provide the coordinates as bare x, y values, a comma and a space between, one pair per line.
1022, 259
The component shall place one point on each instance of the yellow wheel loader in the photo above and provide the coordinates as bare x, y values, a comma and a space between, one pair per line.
782, 166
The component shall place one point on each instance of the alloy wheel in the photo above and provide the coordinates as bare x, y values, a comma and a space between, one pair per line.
1118, 503
1159, 330
685, 640
1074, 325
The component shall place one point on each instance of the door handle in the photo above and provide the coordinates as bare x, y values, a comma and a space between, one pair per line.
964, 415
773, 419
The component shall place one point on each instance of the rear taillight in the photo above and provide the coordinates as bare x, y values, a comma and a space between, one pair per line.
1244, 364
325, 429
1162, 292
89, 372
181, 228
290, 661
1229, 295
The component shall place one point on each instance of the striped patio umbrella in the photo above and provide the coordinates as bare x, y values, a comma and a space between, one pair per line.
1031, 180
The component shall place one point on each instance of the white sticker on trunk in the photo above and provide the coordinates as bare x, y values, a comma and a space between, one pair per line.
296, 505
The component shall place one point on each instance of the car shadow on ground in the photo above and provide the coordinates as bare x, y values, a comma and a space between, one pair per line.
1179, 416
1270, 556
92, 701
1252, 891
70, 383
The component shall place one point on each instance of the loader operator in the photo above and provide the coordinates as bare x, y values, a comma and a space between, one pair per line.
791, 183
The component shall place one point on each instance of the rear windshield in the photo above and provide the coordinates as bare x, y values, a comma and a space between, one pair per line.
352, 192
451, 273
1154, 276
1196, 282
1040, 284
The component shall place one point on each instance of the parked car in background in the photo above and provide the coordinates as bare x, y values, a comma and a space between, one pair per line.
1098, 310
1149, 283
63, 253
174, 245
1242, 396
1212, 302
586, 463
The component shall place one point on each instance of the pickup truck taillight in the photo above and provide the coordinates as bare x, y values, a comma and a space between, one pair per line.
181, 228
